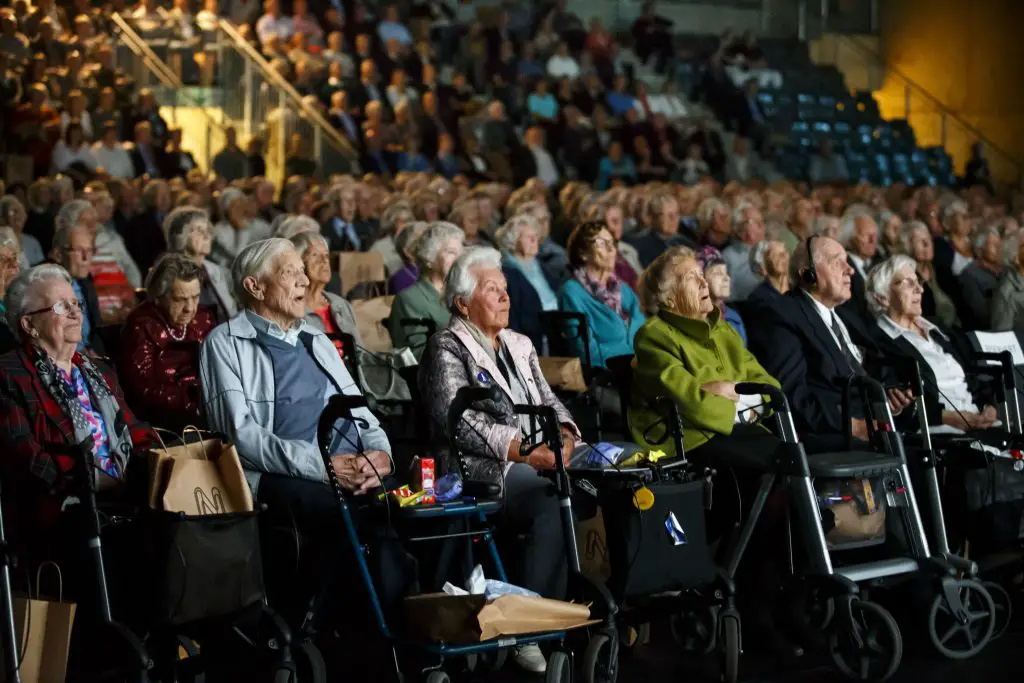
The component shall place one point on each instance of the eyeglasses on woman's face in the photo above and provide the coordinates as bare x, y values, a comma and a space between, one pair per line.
62, 308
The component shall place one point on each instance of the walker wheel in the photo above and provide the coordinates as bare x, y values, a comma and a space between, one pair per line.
559, 668
963, 634
729, 647
694, 630
285, 675
487, 661
437, 676
600, 659
869, 647
1004, 606
309, 663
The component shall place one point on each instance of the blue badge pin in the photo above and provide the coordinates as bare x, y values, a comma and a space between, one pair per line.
482, 377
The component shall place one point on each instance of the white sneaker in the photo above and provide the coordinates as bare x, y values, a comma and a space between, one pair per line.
531, 659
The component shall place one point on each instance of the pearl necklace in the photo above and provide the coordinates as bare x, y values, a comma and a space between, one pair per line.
184, 331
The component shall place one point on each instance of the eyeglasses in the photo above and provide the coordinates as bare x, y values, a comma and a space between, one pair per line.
60, 308
82, 252
603, 243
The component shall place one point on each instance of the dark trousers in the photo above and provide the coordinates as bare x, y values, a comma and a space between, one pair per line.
531, 512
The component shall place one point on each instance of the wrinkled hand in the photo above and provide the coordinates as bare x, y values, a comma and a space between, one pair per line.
568, 445
723, 389
373, 465
900, 399
346, 468
541, 458
968, 420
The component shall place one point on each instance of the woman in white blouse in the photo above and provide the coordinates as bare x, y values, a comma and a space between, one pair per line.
72, 151
894, 297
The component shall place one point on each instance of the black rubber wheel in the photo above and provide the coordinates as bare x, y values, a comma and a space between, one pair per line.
559, 668
695, 630
601, 660
963, 635
1004, 606
729, 647
285, 675
437, 677
310, 666
876, 651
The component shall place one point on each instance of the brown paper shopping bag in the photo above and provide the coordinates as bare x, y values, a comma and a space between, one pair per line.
371, 315
592, 544
852, 525
200, 478
512, 615
358, 267
563, 373
43, 631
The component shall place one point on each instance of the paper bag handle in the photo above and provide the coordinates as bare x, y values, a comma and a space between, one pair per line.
157, 430
199, 433
60, 579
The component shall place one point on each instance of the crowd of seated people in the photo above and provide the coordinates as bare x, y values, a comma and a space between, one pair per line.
704, 283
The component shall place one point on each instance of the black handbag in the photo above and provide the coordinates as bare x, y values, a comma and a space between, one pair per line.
663, 548
204, 567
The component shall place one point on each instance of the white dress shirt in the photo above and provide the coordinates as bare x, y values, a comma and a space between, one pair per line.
115, 160
546, 169
826, 314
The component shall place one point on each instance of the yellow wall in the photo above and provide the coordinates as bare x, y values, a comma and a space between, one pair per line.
969, 55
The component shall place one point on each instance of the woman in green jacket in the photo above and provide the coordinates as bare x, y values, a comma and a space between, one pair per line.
688, 352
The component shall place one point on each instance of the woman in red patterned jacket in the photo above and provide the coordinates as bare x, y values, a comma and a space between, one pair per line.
54, 401
159, 363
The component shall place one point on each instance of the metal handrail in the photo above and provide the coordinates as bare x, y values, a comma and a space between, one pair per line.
879, 60
270, 74
157, 67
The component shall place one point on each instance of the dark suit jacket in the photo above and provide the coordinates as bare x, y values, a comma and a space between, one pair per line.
796, 348
92, 309
650, 245
524, 314
858, 303
145, 240
140, 165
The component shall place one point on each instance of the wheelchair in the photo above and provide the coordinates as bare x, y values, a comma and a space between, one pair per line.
470, 513
864, 640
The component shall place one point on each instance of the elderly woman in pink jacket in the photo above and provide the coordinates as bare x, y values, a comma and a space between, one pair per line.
477, 350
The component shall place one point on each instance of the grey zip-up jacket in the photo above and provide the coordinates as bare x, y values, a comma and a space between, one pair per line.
237, 378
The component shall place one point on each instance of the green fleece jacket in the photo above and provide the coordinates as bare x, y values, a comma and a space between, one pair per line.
675, 356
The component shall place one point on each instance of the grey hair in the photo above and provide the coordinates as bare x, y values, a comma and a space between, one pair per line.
879, 282
391, 215
758, 255
660, 281
739, 215
256, 260
801, 260
8, 238
167, 270
907, 233
508, 235
708, 208
982, 236
149, 192
820, 222
22, 290
848, 229
429, 243
67, 221
407, 237
461, 282
176, 226
304, 240
954, 207
293, 226
229, 197
7, 202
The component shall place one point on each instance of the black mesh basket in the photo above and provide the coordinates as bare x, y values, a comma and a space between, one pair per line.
663, 548
203, 567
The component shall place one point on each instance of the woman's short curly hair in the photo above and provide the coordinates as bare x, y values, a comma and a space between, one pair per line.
582, 240
660, 281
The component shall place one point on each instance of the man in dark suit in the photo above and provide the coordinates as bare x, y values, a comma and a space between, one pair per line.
341, 119
812, 347
340, 230
860, 236
432, 126
367, 89
146, 158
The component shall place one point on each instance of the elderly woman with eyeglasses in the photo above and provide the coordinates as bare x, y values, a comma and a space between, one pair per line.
528, 288
476, 349
611, 308
159, 365
74, 247
895, 297
936, 304
190, 234
325, 310
54, 400
434, 251
14, 216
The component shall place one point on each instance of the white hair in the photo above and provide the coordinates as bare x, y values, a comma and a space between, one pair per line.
429, 243
461, 282
848, 229
907, 234
758, 255
256, 260
304, 240
982, 236
229, 197
67, 220
508, 235
660, 282
22, 291
739, 215
954, 207
176, 226
879, 282
708, 208
291, 226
